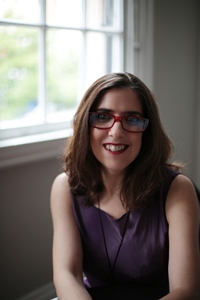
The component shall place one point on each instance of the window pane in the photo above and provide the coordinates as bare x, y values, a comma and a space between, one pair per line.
64, 12
104, 13
63, 72
103, 55
18, 73
44, 71
20, 10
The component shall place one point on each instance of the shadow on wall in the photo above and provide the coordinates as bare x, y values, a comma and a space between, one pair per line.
26, 228
198, 192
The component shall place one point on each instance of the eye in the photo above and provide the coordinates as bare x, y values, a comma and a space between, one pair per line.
132, 119
103, 117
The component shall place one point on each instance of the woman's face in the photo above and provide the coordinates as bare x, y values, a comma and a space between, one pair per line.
116, 148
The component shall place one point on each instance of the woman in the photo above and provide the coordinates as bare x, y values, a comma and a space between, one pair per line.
122, 213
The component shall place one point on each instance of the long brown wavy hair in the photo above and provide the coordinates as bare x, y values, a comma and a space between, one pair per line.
145, 176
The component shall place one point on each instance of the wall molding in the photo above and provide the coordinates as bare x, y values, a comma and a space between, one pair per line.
30, 150
139, 33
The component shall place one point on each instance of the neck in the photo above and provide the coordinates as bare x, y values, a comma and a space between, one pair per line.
112, 182
110, 200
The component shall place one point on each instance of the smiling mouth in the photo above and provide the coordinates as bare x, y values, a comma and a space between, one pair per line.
115, 148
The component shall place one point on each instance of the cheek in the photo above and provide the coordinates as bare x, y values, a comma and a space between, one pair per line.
137, 142
95, 139
140, 140
136, 138
92, 138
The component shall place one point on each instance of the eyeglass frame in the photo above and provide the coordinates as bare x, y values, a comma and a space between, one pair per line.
119, 119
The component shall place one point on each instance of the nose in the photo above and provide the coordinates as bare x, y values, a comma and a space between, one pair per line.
116, 130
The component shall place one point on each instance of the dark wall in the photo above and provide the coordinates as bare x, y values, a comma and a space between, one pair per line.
26, 227
176, 76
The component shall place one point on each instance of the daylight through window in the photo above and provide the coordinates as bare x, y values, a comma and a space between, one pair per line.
50, 52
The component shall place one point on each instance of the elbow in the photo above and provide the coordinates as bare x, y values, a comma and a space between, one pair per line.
66, 278
184, 294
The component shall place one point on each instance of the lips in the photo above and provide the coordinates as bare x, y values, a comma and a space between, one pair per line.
115, 148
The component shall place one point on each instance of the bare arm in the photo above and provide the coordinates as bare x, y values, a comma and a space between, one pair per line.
67, 248
182, 212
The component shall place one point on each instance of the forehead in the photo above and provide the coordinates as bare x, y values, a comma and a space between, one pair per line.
120, 100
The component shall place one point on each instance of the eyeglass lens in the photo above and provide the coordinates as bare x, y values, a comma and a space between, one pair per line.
129, 123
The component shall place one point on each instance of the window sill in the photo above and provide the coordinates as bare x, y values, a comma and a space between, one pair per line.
32, 148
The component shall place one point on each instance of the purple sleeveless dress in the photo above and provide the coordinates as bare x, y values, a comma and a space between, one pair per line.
142, 263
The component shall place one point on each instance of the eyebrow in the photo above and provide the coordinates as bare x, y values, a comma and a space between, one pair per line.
129, 112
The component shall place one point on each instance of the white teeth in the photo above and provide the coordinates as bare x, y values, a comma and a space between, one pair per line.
114, 148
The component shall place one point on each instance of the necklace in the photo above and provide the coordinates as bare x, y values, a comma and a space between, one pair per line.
112, 267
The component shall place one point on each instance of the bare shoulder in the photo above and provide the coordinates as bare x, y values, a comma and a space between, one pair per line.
61, 181
182, 186
182, 197
60, 192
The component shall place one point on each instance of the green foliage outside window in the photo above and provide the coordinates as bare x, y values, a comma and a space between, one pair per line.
18, 70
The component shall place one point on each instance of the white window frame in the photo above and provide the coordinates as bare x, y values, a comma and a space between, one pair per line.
19, 131
138, 59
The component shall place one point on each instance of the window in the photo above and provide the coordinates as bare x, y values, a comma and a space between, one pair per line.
50, 52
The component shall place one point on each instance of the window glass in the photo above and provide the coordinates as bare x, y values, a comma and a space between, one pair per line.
18, 73
102, 55
21, 10
64, 48
95, 56
103, 13
50, 52
64, 12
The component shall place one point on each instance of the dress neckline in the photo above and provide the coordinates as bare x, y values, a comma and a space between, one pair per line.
109, 216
